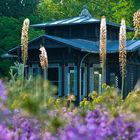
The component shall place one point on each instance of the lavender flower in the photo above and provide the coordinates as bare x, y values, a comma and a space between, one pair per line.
3, 93
94, 125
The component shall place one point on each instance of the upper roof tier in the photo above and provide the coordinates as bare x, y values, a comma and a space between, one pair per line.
84, 18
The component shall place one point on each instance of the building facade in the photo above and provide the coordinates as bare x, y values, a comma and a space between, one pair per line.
73, 53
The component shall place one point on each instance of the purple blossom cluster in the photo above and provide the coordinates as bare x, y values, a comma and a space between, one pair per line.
78, 125
95, 125
3, 93
17, 127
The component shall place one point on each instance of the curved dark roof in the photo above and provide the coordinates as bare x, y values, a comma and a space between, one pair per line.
75, 21
84, 18
85, 45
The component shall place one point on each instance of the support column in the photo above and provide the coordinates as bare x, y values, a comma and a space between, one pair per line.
30, 71
85, 82
60, 81
39, 71
78, 82
91, 79
66, 81
75, 80
26, 72
88, 79
63, 80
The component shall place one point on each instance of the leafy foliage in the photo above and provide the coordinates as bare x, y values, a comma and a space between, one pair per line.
17, 8
110, 99
113, 10
10, 37
131, 103
13, 12
32, 97
61, 123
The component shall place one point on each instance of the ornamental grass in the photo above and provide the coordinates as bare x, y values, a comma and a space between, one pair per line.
64, 124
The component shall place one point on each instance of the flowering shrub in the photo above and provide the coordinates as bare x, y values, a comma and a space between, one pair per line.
63, 123
110, 99
3, 93
132, 102
95, 125
33, 97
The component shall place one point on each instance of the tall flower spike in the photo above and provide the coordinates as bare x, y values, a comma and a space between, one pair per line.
24, 40
103, 48
122, 47
43, 58
136, 22
122, 53
103, 40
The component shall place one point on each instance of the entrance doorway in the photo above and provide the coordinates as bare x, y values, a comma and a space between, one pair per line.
53, 77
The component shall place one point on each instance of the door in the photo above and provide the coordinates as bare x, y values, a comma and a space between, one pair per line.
53, 77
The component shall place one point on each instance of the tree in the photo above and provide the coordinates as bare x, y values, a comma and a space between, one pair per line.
10, 37
17, 8
52, 10
114, 10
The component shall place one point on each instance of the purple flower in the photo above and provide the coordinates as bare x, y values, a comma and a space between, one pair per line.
3, 93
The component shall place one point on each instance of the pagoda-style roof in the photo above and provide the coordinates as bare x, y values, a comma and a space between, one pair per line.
84, 18
81, 44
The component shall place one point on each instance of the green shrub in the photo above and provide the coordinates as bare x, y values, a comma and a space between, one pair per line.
33, 97
132, 102
110, 99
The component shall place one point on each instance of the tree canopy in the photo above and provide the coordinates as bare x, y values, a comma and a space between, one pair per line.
114, 10
17, 8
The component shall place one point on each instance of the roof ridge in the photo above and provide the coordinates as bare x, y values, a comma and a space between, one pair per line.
85, 11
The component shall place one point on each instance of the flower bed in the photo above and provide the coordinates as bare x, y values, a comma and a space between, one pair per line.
66, 123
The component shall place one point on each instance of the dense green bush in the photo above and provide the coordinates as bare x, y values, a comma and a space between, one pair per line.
110, 98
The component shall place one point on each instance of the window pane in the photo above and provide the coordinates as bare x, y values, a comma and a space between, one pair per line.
97, 80
71, 80
53, 76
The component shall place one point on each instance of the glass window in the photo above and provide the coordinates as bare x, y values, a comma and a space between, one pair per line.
97, 80
113, 80
71, 80
82, 81
53, 76
132, 79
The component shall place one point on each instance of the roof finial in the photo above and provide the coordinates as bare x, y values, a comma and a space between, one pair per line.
85, 11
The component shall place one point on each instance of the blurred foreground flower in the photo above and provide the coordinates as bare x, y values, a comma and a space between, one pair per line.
66, 125
71, 98
3, 93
